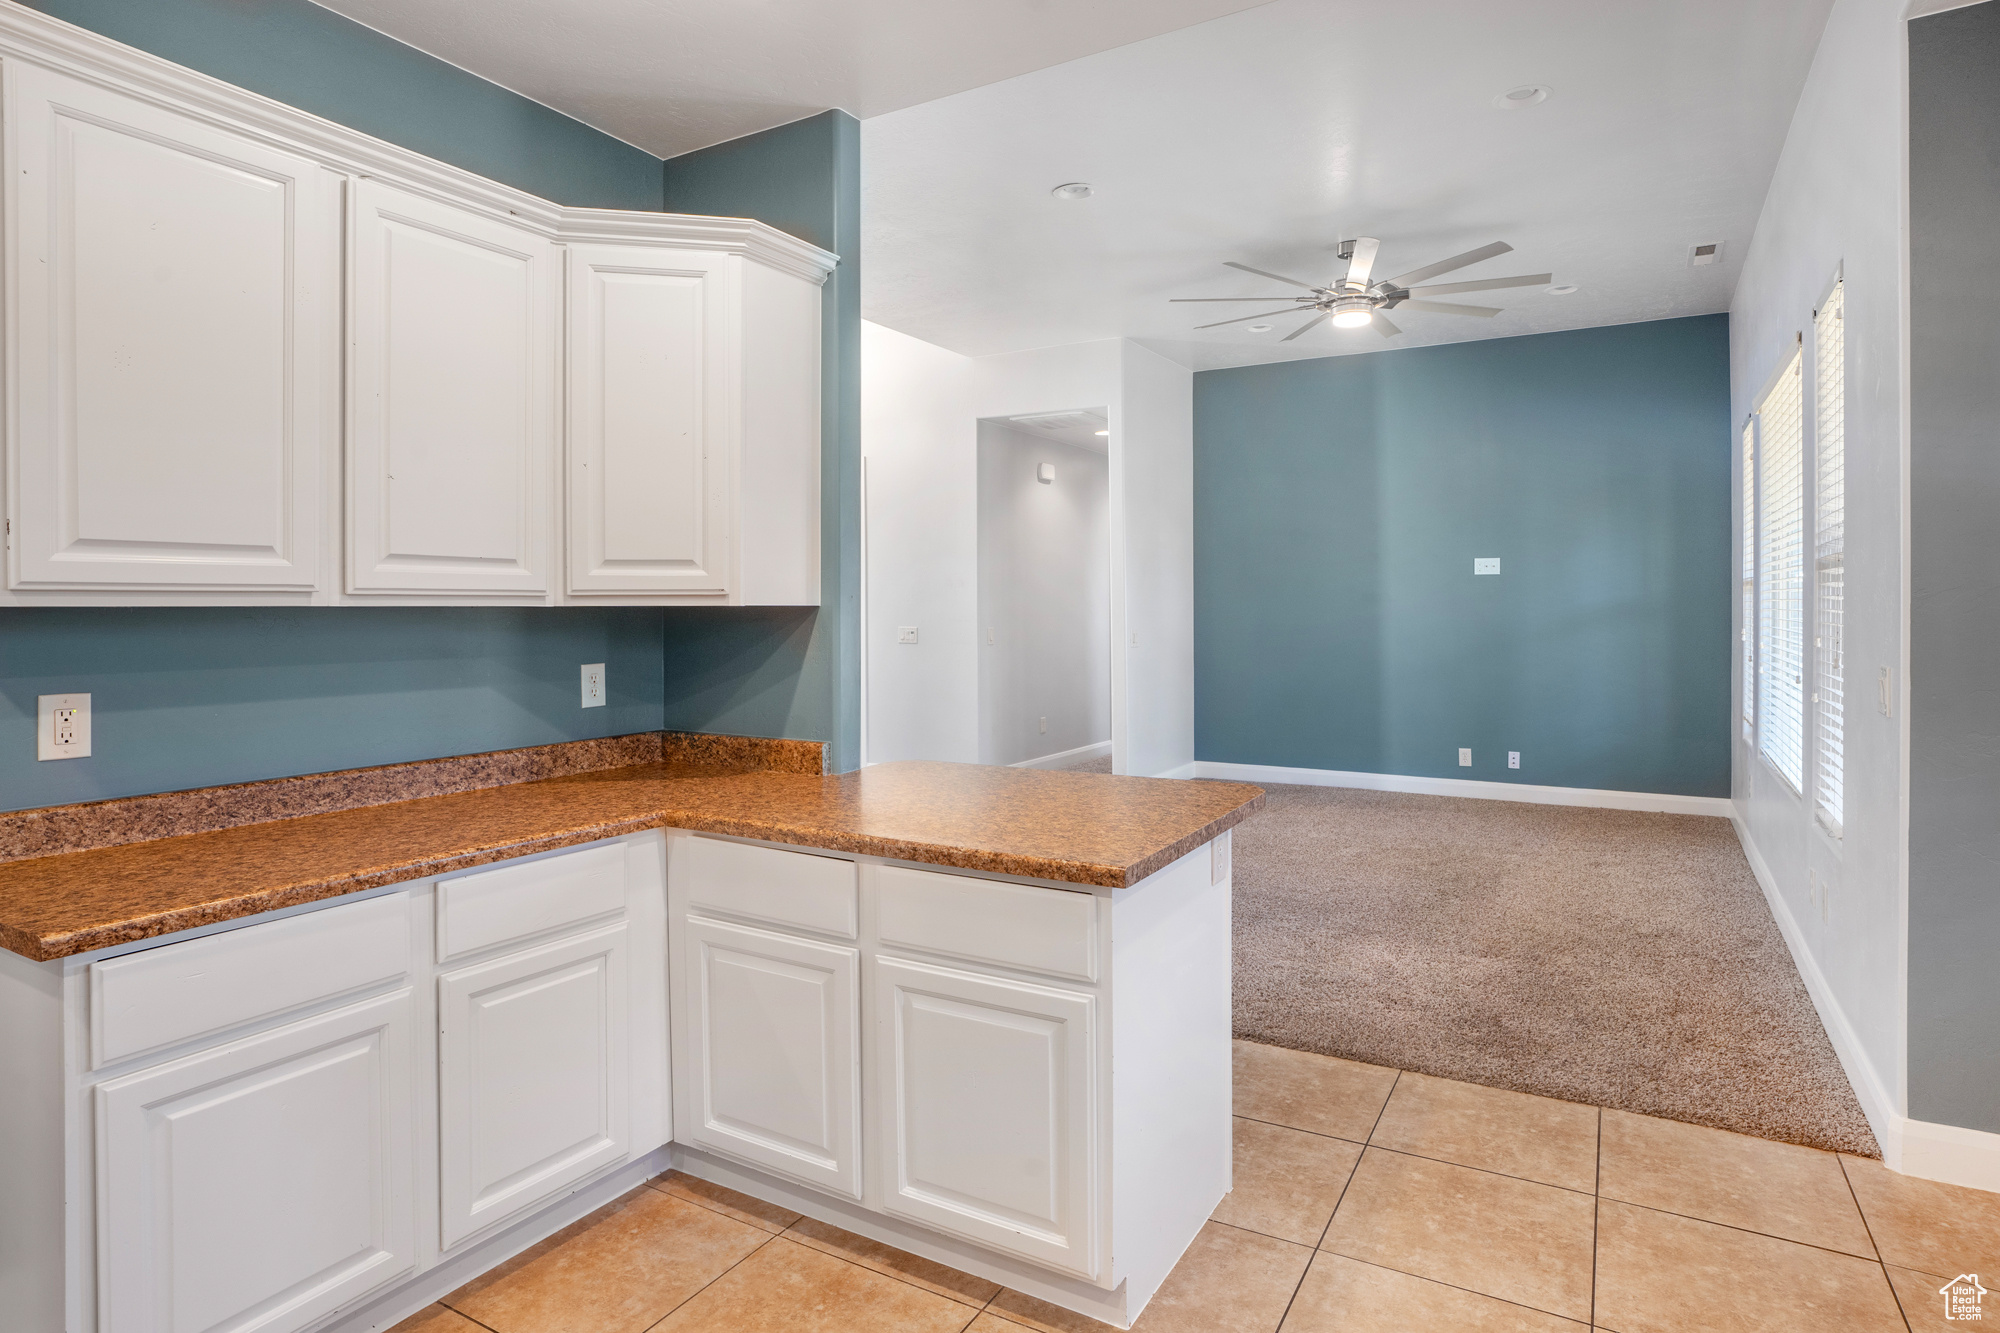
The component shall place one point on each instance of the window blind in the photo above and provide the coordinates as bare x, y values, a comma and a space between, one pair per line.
1782, 576
1829, 556
1748, 635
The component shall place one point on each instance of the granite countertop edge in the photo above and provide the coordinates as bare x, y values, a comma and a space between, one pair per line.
52, 945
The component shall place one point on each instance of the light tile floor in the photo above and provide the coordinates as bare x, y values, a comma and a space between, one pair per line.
1365, 1201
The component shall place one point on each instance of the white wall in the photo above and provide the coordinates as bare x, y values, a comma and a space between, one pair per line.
1044, 597
1837, 202
920, 409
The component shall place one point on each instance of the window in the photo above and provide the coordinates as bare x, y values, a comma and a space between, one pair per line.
1781, 565
1749, 632
1829, 555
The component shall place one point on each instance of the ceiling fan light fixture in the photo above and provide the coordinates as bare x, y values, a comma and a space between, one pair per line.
1353, 316
1527, 95
1073, 190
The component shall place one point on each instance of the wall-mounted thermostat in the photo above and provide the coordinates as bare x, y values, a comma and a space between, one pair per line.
1045, 473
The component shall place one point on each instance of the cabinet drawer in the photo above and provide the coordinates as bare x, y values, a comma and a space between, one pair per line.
1016, 925
765, 884
518, 899
145, 1001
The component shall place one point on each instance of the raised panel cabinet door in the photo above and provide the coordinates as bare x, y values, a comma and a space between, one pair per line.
532, 1081
255, 1187
988, 1122
654, 382
453, 346
769, 1051
172, 307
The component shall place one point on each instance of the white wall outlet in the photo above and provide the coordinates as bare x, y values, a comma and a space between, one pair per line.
1045, 726
1513, 758
908, 634
593, 685
1486, 564
1465, 759
62, 726
1885, 692
989, 635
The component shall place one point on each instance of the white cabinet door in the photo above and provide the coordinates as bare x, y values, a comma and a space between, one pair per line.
453, 347
767, 1052
987, 1110
654, 389
172, 302
532, 1085
259, 1185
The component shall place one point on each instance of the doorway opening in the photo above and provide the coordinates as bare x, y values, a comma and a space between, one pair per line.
1044, 589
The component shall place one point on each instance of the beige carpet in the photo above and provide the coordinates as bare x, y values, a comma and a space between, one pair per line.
1601, 956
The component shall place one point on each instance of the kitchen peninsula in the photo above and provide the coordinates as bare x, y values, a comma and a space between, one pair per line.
305, 1054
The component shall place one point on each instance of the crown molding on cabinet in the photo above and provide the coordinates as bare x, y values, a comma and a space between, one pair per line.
27, 34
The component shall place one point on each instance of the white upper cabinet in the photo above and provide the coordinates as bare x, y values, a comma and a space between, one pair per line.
226, 382
694, 420
171, 292
453, 343
652, 418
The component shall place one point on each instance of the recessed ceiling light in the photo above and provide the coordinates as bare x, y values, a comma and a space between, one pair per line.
1563, 289
1073, 190
1527, 95
1257, 328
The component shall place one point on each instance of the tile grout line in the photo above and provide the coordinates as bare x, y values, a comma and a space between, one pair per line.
1596, 1211
1279, 1124
754, 1250
1482, 1170
1894, 1295
1353, 1171
463, 1315
1749, 1231
1470, 1291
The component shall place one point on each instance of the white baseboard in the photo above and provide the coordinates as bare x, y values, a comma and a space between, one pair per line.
1064, 758
1485, 791
1187, 770
1968, 1157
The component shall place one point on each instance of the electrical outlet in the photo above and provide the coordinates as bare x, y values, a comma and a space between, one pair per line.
62, 726
1513, 758
1045, 726
1816, 895
908, 634
593, 685
1885, 692
1465, 759
1486, 564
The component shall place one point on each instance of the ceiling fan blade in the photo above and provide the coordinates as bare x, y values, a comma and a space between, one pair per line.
1446, 308
1184, 300
1305, 327
1488, 285
1230, 263
1417, 275
1363, 262
1288, 310
1384, 327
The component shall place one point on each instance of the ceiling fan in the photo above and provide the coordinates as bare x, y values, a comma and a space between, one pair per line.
1352, 300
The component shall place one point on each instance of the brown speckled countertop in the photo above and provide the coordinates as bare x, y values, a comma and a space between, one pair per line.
1082, 828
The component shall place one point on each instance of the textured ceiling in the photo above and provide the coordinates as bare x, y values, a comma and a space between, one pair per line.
1268, 135
671, 76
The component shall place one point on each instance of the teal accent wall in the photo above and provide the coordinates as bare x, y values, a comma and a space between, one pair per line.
312, 58
198, 696
1340, 502
789, 672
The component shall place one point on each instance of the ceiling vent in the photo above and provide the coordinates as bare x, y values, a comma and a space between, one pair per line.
1700, 256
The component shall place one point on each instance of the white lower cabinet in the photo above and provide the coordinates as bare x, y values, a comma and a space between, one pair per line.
769, 1028
533, 1093
985, 1111
261, 1184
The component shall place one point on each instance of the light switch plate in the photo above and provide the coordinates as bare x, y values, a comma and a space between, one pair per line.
1465, 759
1486, 564
908, 634
593, 685
62, 726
